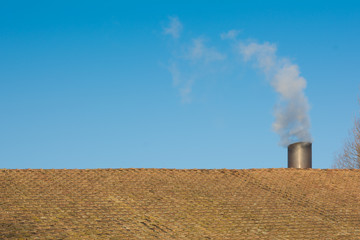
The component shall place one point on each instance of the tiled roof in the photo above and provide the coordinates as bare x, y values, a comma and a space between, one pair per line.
179, 204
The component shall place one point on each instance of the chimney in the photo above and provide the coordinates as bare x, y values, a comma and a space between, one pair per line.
299, 155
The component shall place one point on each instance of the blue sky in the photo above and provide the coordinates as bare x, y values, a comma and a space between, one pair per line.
171, 84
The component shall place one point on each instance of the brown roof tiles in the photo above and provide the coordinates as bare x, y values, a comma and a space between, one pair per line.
179, 204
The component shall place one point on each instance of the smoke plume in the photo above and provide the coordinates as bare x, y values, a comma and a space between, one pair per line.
197, 59
192, 59
292, 121
174, 27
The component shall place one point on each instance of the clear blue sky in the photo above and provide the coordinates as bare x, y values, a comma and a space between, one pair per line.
161, 84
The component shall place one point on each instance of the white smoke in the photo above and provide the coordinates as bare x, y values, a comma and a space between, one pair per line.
191, 60
231, 34
292, 121
200, 52
174, 27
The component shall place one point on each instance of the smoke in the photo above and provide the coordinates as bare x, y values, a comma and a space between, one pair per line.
231, 34
174, 27
192, 59
292, 121
200, 52
197, 59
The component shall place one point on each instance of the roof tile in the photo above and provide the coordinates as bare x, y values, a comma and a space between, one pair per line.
179, 204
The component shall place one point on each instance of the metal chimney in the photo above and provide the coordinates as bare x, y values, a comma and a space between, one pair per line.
299, 155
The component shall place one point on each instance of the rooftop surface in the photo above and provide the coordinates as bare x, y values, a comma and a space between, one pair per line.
179, 204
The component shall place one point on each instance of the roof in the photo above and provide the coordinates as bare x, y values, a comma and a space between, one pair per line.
179, 204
